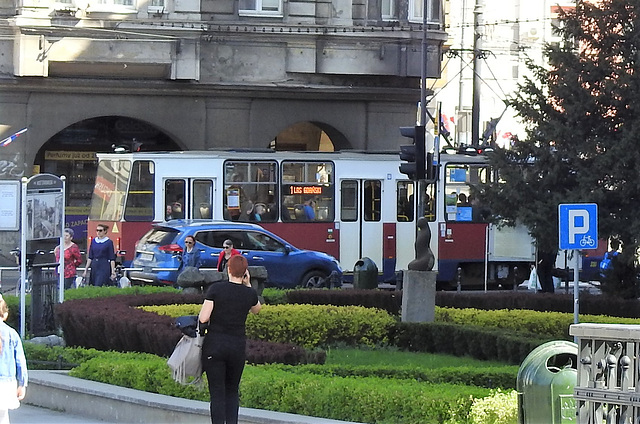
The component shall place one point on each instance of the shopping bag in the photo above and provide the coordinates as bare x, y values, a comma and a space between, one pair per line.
80, 282
534, 283
186, 360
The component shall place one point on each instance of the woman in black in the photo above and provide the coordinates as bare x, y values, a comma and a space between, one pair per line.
225, 309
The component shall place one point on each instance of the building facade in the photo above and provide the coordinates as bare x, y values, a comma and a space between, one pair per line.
85, 76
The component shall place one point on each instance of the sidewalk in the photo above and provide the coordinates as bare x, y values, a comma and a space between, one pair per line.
28, 414
73, 400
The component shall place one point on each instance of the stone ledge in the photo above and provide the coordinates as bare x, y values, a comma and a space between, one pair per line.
56, 390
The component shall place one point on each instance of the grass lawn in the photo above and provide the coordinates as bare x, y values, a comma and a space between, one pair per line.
382, 356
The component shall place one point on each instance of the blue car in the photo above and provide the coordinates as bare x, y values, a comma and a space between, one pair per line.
287, 266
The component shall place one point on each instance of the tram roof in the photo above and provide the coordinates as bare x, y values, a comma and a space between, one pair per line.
262, 154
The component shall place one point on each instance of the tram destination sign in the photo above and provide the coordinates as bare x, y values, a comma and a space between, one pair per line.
308, 190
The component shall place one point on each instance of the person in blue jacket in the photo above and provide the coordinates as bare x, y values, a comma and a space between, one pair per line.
13, 366
190, 255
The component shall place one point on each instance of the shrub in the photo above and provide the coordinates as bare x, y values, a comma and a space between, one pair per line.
554, 325
390, 301
460, 340
499, 408
116, 323
488, 377
320, 325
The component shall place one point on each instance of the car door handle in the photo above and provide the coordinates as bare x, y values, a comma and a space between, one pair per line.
257, 258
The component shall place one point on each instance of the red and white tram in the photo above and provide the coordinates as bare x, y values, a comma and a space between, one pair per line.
348, 204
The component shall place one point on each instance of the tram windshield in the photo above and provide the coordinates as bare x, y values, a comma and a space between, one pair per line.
110, 190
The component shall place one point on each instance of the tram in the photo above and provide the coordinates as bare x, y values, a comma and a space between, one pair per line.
350, 205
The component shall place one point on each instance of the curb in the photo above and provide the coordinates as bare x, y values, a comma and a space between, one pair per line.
58, 391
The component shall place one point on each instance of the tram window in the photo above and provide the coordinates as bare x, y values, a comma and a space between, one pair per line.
139, 205
349, 201
201, 206
250, 191
110, 189
405, 201
372, 200
174, 191
430, 202
307, 191
459, 202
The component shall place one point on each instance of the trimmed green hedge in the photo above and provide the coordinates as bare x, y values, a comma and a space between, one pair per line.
365, 399
489, 377
552, 325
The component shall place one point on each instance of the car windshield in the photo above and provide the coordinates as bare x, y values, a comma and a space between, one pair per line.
160, 236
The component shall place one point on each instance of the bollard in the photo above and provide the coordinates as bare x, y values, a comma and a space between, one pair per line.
515, 278
459, 288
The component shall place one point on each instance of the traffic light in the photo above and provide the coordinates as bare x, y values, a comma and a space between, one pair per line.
414, 154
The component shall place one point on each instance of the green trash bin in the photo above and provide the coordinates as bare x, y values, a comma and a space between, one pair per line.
365, 274
545, 384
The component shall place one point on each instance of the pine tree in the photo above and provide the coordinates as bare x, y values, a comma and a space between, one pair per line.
582, 114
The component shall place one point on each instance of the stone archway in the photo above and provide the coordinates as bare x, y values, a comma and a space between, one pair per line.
72, 153
310, 136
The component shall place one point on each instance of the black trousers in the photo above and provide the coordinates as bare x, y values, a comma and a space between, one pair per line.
223, 362
546, 265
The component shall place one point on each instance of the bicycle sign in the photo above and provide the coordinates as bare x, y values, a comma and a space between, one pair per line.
578, 226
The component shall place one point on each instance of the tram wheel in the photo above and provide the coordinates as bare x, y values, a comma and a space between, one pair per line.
313, 280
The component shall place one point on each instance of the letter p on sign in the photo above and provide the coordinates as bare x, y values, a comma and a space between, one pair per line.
578, 226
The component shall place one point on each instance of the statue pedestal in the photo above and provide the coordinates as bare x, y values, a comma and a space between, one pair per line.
418, 296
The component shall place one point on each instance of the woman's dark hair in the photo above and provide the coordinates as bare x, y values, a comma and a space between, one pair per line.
237, 266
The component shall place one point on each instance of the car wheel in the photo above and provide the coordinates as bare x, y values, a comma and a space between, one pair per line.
313, 279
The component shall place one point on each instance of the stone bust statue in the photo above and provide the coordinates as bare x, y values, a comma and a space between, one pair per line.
425, 260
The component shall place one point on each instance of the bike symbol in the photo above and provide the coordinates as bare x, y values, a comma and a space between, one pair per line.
587, 241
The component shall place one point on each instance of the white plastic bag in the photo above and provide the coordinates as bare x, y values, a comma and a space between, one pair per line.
80, 282
534, 283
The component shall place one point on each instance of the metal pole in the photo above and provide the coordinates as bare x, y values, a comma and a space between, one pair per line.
61, 262
23, 260
477, 45
576, 289
423, 76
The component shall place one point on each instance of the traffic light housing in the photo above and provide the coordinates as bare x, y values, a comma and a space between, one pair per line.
414, 154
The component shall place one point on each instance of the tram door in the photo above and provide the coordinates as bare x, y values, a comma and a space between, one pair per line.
361, 229
189, 198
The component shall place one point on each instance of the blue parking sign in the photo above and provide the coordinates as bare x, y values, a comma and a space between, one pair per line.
578, 225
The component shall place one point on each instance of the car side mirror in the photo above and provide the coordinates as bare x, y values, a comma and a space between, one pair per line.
287, 249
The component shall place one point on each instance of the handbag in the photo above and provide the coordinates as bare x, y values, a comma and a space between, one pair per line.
186, 360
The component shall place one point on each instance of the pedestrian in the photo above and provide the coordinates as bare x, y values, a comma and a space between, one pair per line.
222, 318
72, 258
546, 265
101, 259
227, 252
608, 263
13, 366
190, 255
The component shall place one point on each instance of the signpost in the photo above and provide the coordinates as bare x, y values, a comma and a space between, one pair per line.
42, 228
577, 230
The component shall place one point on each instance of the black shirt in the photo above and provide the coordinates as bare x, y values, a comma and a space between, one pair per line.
231, 306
